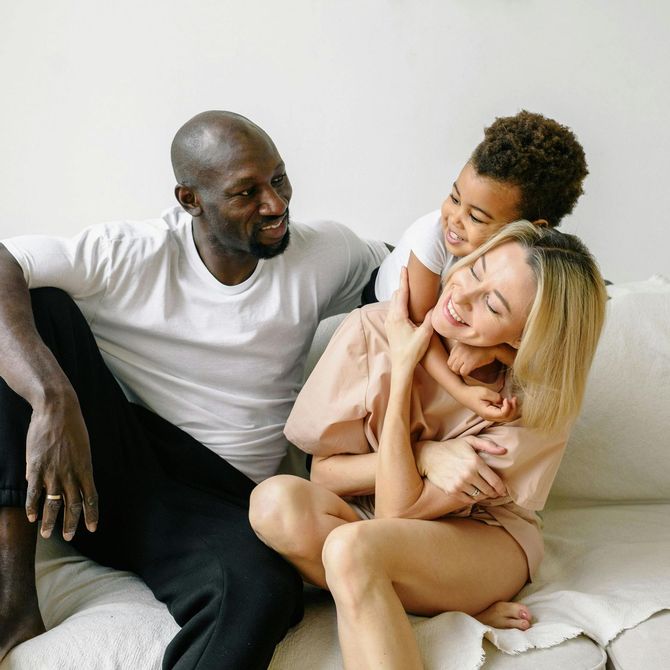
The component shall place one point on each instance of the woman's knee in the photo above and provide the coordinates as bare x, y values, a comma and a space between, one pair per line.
351, 560
279, 513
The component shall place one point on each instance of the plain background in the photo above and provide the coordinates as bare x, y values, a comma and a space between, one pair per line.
374, 104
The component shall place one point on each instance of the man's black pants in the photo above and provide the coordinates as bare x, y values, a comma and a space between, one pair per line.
171, 510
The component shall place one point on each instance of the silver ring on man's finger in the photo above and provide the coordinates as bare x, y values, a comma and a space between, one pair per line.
474, 493
54, 496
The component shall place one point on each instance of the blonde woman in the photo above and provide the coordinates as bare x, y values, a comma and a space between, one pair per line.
372, 525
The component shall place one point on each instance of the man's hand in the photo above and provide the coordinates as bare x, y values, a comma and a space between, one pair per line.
58, 463
456, 467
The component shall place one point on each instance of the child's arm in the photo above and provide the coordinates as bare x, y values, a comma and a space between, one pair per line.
424, 287
482, 401
464, 358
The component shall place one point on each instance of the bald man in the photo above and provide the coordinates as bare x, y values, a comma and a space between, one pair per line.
155, 376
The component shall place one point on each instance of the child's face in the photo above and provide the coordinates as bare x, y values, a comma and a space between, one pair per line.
476, 209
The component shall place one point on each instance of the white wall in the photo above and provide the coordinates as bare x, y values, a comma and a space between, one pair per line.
375, 105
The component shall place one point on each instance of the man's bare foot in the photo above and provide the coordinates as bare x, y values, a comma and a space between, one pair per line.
506, 615
19, 628
20, 617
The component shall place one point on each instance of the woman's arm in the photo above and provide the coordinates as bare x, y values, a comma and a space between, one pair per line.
399, 488
346, 474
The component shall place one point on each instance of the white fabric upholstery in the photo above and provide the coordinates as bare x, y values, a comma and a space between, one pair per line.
604, 584
620, 442
645, 646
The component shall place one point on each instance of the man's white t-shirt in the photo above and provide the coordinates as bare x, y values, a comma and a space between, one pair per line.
425, 238
223, 363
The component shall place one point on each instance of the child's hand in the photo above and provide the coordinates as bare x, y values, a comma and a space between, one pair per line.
463, 358
508, 410
407, 342
488, 404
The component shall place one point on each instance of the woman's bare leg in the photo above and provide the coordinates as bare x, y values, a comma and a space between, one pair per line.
379, 569
293, 516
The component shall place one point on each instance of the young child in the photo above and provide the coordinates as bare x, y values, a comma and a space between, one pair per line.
527, 167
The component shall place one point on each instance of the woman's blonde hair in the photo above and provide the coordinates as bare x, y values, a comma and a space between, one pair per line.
562, 330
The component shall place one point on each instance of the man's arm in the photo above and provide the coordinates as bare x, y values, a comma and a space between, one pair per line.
58, 456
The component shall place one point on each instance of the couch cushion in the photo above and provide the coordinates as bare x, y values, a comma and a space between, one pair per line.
605, 571
645, 646
619, 446
580, 653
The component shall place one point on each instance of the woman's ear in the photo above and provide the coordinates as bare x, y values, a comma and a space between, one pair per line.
188, 199
540, 222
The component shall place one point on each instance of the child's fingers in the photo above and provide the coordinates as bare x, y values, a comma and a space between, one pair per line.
508, 411
490, 396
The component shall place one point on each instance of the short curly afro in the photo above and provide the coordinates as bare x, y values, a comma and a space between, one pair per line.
540, 156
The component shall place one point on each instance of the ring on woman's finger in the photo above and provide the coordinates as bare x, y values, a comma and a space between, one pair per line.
54, 496
474, 493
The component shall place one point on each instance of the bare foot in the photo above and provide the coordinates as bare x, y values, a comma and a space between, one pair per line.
506, 615
18, 628
20, 617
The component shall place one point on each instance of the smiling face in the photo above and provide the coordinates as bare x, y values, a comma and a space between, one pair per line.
244, 199
486, 303
476, 209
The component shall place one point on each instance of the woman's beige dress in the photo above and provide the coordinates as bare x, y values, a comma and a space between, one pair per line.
340, 410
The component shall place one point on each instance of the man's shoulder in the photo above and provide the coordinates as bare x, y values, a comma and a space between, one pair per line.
334, 239
137, 240
170, 222
316, 232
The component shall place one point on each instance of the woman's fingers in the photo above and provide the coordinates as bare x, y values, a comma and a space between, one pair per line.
480, 484
401, 295
484, 472
486, 445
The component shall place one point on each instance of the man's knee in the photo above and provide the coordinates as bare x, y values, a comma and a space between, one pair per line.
55, 312
50, 298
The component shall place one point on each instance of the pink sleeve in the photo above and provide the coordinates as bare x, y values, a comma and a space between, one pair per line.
530, 464
328, 416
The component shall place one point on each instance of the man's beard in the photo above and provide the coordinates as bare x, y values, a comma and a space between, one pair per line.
259, 250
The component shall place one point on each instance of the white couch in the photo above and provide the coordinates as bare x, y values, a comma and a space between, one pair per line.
602, 595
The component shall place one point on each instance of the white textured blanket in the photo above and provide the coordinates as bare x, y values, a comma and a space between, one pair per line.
592, 581
607, 533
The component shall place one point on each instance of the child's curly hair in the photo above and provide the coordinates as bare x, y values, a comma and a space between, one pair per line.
540, 156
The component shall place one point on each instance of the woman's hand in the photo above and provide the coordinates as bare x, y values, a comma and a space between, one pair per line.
456, 467
407, 342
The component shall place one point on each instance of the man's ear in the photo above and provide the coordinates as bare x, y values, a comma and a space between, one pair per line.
188, 199
540, 222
